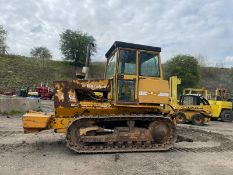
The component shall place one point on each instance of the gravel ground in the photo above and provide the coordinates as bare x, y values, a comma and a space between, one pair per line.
211, 152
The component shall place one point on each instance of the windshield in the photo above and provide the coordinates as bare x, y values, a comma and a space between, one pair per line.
149, 64
111, 67
204, 101
127, 62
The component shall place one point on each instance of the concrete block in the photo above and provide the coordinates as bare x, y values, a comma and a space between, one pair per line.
19, 104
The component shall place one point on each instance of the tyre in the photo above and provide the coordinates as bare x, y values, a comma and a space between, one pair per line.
198, 119
226, 116
180, 117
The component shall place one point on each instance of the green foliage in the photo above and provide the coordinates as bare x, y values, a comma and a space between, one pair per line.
73, 46
3, 34
41, 52
185, 67
231, 74
13, 113
17, 72
97, 70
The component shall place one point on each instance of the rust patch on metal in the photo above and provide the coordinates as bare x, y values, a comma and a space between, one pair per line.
70, 93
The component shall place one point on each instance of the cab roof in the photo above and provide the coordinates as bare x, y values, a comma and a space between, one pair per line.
131, 46
194, 95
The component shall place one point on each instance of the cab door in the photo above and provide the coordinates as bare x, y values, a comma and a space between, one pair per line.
152, 88
127, 76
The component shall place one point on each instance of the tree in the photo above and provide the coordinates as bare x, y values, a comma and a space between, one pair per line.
231, 74
41, 53
185, 67
73, 46
3, 34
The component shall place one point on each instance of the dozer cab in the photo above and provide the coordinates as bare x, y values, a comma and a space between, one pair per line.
125, 112
193, 108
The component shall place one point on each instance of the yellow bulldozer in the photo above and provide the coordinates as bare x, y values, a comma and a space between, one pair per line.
190, 107
127, 111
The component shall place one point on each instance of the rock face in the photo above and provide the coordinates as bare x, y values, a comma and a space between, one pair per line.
17, 104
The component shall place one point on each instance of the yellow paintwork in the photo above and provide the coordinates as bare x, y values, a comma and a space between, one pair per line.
188, 110
151, 96
219, 106
190, 113
174, 81
89, 111
60, 124
151, 86
36, 121
152, 90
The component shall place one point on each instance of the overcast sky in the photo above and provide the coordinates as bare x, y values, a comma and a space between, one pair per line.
196, 27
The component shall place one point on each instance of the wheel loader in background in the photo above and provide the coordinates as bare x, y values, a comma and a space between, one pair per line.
221, 107
192, 108
125, 112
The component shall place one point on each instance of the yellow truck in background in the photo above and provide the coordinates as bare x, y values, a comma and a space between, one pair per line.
221, 108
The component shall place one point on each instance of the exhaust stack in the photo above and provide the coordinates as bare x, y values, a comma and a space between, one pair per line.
85, 69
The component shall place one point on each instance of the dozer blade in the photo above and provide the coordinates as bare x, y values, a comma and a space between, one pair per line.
36, 121
121, 134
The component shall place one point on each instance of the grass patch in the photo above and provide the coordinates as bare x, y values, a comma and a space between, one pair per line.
12, 113
18, 72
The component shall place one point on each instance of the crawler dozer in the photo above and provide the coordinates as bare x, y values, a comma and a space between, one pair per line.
127, 111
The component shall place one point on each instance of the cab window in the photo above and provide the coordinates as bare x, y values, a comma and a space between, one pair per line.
190, 100
111, 67
127, 62
126, 90
149, 64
